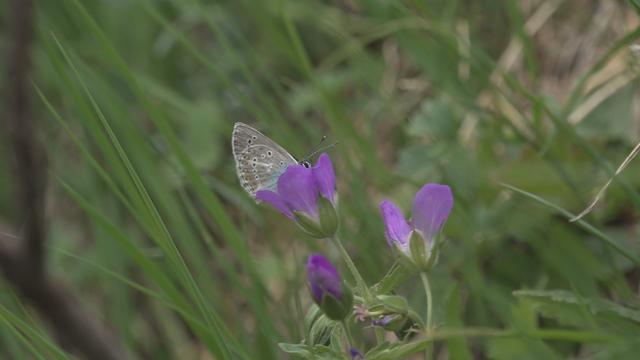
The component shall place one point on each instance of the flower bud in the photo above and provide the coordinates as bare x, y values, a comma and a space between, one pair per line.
327, 289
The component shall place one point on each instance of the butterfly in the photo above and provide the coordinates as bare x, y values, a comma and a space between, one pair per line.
259, 160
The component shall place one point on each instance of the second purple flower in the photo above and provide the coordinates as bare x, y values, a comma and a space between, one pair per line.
416, 238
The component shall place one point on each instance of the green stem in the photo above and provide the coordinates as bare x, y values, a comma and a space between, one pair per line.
427, 292
366, 294
379, 334
353, 269
296, 298
347, 331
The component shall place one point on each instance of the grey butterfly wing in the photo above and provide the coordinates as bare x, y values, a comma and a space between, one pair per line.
259, 160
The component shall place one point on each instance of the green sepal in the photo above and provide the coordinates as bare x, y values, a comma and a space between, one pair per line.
328, 217
404, 258
418, 251
337, 309
310, 226
396, 323
387, 304
432, 260
408, 330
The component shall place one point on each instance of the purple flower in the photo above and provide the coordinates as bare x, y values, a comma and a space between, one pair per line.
307, 195
382, 321
391, 322
397, 229
355, 354
325, 178
332, 296
323, 278
431, 207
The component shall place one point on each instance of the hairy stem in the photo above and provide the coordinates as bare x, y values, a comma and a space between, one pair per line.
366, 294
427, 292
347, 331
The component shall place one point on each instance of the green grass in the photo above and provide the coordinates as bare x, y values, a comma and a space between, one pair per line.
150, 227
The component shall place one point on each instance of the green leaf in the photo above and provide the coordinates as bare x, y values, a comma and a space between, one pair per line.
636, 5
458, 347
391, 303
380, 352
396, 275
321, 329
310, 352
570, 309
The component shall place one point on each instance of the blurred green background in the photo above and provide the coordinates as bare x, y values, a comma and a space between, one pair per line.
148, 225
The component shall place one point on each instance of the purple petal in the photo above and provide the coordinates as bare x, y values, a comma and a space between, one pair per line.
323, 277
355, 354
383, 321
431, 208
397, 230
298, 190
274, 200
325, 177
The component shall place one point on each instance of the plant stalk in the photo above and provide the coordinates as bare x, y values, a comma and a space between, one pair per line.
427, 292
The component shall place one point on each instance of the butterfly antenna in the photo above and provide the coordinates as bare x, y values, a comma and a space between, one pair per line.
320, 148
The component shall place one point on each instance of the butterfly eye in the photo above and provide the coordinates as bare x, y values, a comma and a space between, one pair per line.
306, 164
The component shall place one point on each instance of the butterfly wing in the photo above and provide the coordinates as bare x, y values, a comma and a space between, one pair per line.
259, 160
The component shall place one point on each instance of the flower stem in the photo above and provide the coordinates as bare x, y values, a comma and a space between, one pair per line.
427, 292
347, 331
366, 294
353, 269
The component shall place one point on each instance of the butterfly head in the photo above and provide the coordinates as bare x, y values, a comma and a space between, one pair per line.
306, 163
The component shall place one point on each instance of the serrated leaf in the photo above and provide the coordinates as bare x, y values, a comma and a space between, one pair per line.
436, 119
310, 352
569, 308
336, 336
380, 352
321, 330
311, 316
393, 303
458, 347
298, 349
396, 275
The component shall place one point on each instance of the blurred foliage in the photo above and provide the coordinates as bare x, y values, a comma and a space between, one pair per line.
137, 99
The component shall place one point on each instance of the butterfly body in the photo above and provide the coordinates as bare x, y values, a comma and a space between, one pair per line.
259, 160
